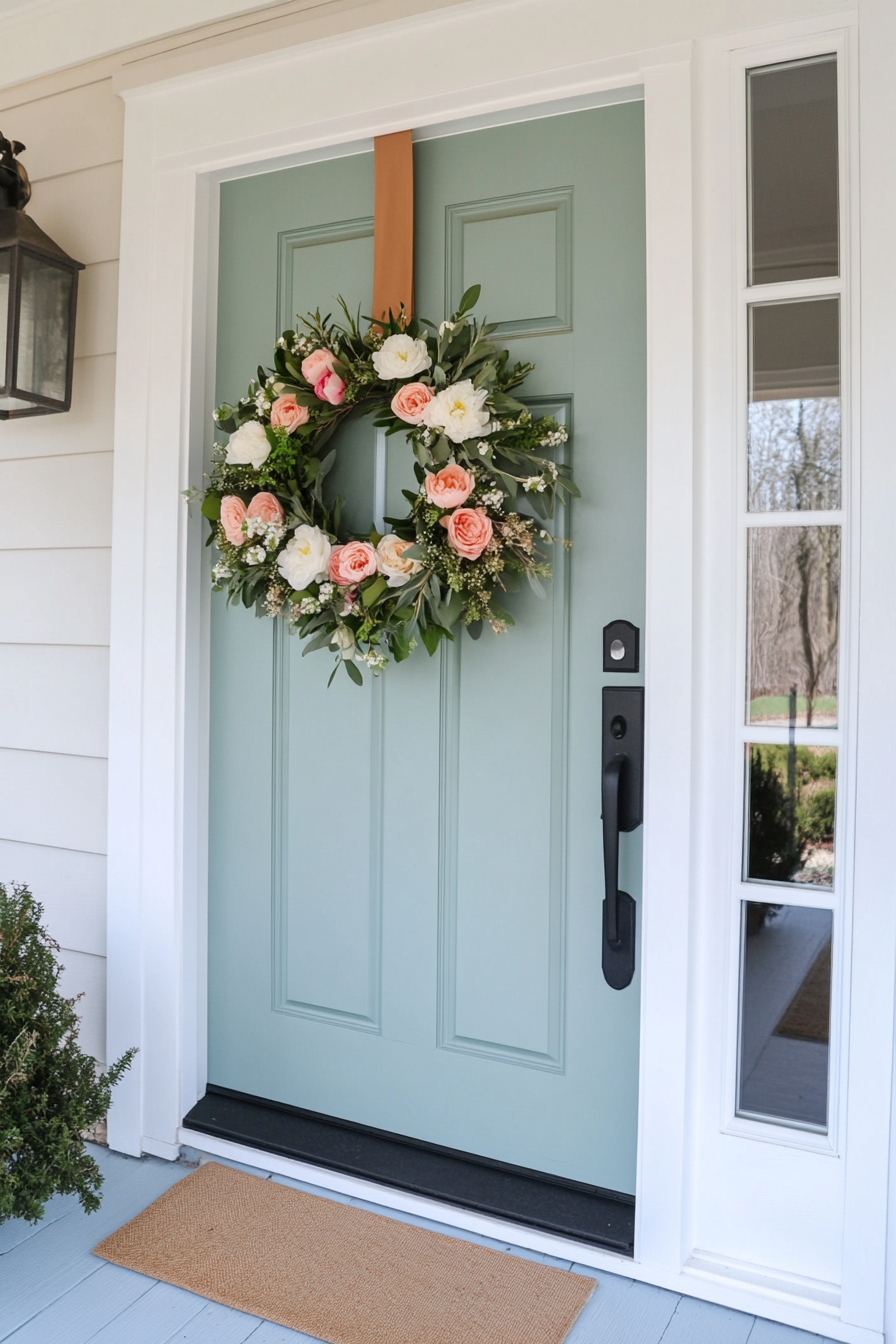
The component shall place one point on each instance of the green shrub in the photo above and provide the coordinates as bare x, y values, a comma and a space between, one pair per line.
815, 816
50, 1090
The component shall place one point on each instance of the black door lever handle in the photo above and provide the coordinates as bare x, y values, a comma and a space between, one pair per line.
622, 790
609, 797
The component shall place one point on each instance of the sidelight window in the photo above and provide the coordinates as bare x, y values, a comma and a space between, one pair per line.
789, 893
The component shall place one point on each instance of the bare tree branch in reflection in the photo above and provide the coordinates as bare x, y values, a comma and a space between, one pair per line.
794, 621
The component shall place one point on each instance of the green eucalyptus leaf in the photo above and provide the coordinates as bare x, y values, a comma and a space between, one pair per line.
469, 300
353, 671
211, 507
474, 629
370, 595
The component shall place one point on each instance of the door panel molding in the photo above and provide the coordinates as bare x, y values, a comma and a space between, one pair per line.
317, 235
281, 934
450, 1000
555, 298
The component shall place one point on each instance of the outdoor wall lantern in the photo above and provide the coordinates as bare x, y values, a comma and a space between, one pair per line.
38, 298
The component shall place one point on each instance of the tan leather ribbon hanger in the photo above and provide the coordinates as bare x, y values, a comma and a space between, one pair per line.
393, 224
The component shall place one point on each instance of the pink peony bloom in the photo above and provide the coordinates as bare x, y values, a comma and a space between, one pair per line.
266, 507
351, 563
316, 364
469, 531
233, 515
286, 413
330, 387
410, 402
450, 486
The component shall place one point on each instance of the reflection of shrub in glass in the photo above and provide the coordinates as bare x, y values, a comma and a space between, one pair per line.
815, 817
775, 852
791, 814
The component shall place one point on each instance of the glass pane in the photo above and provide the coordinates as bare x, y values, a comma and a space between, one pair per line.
785, 1011
5, 264
791, 809
793, 207
793, 599
794, 411
43, 328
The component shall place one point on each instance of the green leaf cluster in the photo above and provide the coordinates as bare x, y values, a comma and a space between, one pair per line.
50, 1091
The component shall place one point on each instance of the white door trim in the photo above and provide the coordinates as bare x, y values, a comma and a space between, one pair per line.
181, 139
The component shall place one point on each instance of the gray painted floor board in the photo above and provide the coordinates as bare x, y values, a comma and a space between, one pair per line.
53, 1291
91, 1305
697, 1322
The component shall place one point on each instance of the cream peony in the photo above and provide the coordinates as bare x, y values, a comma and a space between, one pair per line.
248, 446
457, 412
401, 357
305, 557
391, 563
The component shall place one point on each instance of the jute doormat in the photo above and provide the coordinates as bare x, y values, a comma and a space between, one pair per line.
340, 1273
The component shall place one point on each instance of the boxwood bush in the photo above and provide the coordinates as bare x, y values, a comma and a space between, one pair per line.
50, 1090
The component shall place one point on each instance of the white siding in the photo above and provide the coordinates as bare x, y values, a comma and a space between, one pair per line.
54, 585
70, 885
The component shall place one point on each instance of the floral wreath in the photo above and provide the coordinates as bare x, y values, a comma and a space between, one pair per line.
461, 543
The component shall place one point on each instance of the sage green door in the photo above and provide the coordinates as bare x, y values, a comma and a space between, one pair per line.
405, 880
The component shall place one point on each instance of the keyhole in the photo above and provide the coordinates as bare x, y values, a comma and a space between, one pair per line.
617, 650
618, 727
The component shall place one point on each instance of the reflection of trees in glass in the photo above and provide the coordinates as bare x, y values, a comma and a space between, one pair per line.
791, 813
794, 454
794, 622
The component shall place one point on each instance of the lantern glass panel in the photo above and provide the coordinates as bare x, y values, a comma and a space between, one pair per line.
5, 267
44, 323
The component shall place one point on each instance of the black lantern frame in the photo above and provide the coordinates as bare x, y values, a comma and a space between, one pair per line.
38, 304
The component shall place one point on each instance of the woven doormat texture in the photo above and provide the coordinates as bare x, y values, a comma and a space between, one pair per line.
340, 1273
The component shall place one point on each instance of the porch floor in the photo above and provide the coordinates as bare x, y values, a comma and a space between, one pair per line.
53, 1291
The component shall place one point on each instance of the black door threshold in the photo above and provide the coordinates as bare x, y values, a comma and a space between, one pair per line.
568, 1208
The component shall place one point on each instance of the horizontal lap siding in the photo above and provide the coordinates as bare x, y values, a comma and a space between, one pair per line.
54, 575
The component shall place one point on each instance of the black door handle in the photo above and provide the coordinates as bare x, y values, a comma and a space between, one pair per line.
622, 792
609, 797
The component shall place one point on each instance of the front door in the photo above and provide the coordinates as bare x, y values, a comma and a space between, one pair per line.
405, 879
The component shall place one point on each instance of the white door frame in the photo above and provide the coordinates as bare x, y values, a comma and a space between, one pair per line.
182, 137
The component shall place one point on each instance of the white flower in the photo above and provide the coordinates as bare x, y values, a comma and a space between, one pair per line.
221, 571
457, 412
344, 641
391, 562
326, 591
446, 326
248, 446
401, 357
255, 555
305, 557
534, 483
309, 606
493, 499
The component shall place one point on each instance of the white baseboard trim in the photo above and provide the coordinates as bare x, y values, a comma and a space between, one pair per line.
159, 1148
788, 1287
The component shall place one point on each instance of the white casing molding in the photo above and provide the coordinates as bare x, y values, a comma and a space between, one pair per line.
182, 138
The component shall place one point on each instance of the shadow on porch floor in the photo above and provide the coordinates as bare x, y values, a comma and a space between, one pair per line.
53, 1291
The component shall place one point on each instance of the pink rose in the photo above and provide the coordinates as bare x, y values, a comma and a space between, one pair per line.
316, 364
233, 515
351, 563
469, 531
450, 486
266, 507
286, 413
330, 387
410, 401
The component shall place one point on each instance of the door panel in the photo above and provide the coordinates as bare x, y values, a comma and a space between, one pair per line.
405, 879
